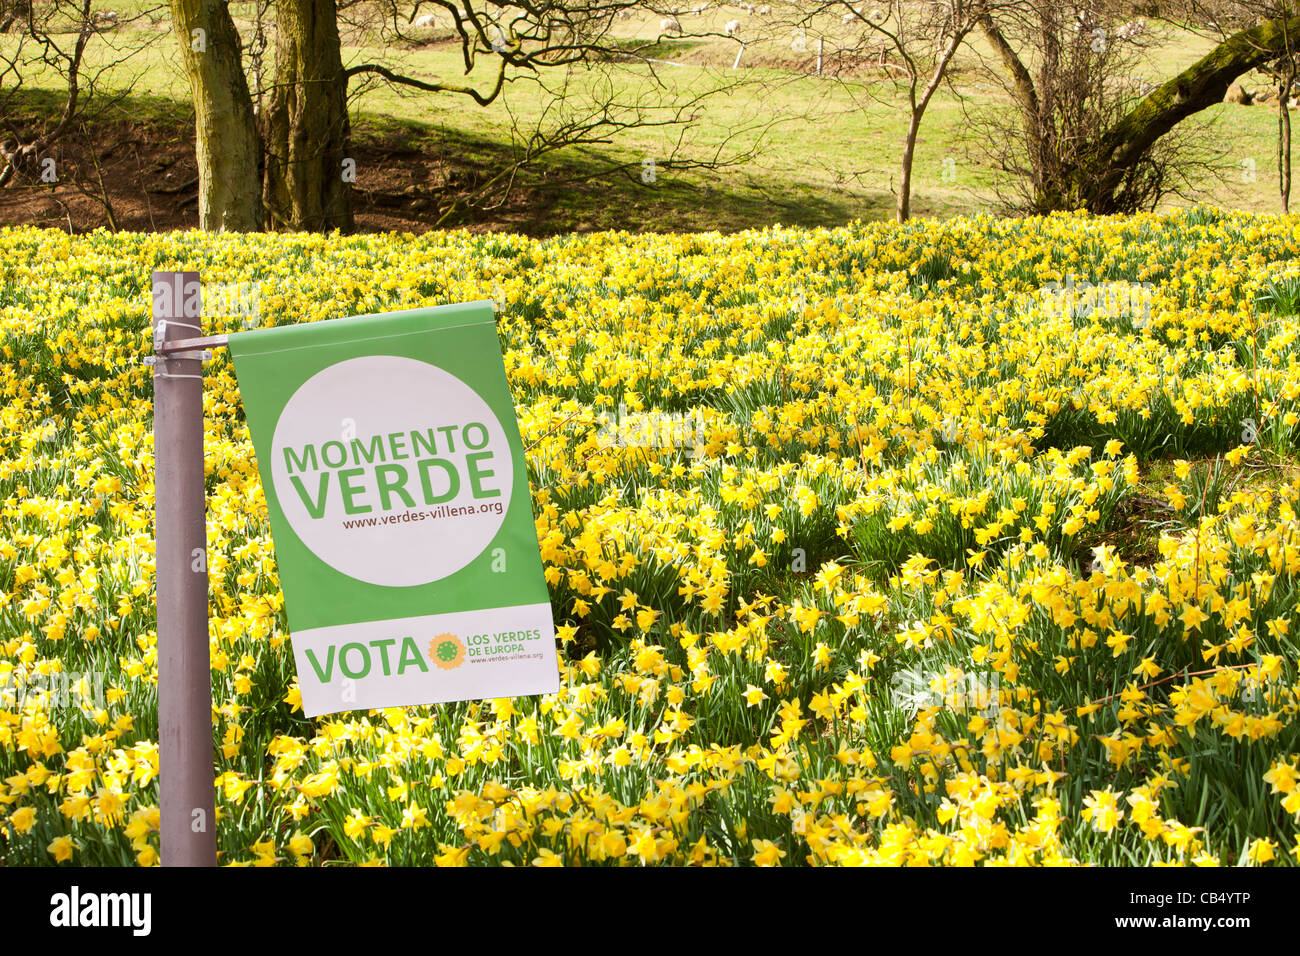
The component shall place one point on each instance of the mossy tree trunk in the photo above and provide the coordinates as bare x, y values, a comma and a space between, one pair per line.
307, 184
226, 142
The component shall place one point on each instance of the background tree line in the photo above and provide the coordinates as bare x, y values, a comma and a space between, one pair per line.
273, 141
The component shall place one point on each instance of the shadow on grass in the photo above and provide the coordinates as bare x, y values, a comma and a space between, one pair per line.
412, 177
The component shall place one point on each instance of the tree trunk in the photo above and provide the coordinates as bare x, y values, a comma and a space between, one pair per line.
307, 123
1284, 136
1025, 94
918, 107
226, 142
904, 210
1285, 85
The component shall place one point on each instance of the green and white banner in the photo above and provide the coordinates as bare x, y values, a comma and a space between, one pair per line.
398, 494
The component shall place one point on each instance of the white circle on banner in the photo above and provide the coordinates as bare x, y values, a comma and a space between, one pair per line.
375, 462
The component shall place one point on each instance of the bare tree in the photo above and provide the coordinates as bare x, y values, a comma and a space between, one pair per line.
1072, 71
500, 44
911, 43
1083, 149
56, 36
587, 106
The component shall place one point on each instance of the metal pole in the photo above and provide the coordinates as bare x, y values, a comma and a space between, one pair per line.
185, 749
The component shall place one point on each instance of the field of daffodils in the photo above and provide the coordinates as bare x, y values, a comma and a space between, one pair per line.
960, 543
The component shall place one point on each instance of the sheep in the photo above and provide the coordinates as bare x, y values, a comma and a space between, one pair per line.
731, 27
670, 25
848, 18
764, 10
1134, 28
426, 21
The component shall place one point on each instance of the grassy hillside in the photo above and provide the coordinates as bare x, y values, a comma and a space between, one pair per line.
809, 150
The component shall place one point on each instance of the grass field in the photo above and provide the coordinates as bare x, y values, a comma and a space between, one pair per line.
953, 569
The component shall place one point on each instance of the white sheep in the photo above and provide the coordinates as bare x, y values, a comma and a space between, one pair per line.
670, 25
1134, 28
848, 18
427, 21
731, 27
764, 10
747, 8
